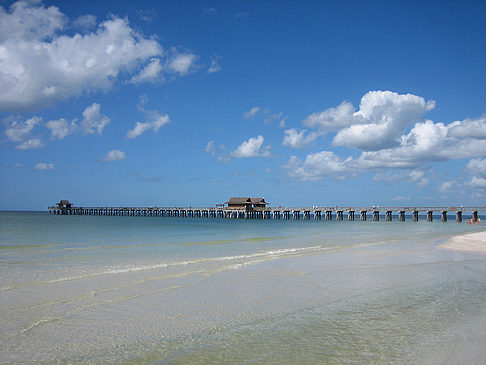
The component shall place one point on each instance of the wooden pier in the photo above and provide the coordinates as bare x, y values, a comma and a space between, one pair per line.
317, 212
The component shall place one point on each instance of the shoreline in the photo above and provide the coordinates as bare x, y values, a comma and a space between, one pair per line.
471, 242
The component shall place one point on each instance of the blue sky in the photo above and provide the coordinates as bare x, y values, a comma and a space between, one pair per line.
189, 103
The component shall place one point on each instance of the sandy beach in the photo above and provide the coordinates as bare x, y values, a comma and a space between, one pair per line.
474, 242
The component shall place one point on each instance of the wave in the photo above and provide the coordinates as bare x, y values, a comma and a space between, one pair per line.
270, 254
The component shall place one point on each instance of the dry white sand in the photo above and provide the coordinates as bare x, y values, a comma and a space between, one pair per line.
475, 242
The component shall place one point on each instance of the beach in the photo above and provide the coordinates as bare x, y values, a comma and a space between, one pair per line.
80, 289
474, 242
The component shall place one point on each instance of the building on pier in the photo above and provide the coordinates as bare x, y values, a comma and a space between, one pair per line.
247, 204
64, 204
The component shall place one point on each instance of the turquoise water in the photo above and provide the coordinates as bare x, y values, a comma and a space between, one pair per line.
196, 290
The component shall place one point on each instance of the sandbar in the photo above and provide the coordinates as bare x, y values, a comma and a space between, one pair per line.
474, 242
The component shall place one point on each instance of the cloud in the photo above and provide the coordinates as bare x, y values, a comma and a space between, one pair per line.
477, 167
215, 66
85, 22
265, 114
269, 118
296, 140
210, 148
381, 119
252, 148
151, 72
394, 142
251, 113
426, 142
31, 144
22, 131
39, 63
182, 63
18, 130
61, 128
469, 128
477, 182
154, 122
114, 155
332, 119
415, 176
446, 186
147, 15
318, 165
138, 130
26, 20
93, 121
44, 166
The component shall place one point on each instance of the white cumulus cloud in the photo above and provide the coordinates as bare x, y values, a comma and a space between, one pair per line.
27, 20
114, 155
93, 121
446, 186
155, 121
379, 122
182, 63
333, 118
381, 119
150, 72
296, 140
61, 128
252, 148
469, 128
17, 130
318, 165
390, 113
477, 167
39, 63
477, 182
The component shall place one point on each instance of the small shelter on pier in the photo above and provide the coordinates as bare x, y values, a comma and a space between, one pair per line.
64, 204
246, 203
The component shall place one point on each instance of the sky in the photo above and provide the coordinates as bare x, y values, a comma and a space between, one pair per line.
188, 103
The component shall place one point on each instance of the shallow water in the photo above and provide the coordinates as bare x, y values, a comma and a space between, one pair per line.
194, 290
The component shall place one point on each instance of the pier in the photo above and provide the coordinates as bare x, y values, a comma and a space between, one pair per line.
374, 214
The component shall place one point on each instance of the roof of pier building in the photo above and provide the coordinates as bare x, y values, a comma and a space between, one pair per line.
64, 203
258, 201
243, 201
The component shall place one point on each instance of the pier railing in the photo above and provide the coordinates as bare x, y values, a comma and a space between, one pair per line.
315, 212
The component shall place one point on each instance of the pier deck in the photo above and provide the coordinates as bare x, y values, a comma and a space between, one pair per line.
316, 212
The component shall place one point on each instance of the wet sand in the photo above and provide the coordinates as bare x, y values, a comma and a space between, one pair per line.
473, 242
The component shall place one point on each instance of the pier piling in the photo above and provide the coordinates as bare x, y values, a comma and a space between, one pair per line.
401, 216
444, 216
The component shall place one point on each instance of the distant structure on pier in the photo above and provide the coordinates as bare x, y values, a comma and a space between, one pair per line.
247, 204
64, 204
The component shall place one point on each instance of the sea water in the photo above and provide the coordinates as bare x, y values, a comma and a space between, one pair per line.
207, 290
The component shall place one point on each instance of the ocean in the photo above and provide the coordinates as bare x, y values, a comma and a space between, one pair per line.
163, 290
